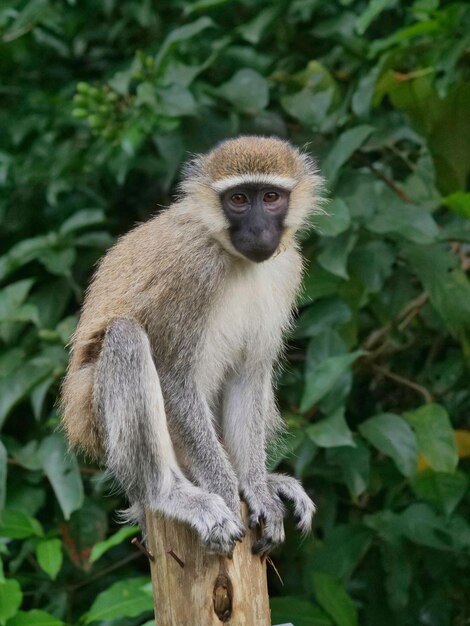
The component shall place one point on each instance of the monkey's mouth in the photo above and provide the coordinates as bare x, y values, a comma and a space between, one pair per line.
256, 248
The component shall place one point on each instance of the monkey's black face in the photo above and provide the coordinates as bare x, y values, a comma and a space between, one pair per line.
256, 215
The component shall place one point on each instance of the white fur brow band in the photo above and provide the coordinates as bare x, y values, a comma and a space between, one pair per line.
264, 179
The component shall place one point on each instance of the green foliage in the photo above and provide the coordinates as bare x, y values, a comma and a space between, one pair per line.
100, 105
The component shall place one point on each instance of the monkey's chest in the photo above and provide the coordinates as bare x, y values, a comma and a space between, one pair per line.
244, 325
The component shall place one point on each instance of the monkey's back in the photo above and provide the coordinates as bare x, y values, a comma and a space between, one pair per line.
162, 270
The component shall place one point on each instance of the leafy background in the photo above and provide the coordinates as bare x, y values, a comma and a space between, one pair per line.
100, 104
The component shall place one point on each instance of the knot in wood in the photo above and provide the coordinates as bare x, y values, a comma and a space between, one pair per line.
223, 597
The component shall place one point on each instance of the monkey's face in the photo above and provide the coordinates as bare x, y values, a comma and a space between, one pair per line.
256, 215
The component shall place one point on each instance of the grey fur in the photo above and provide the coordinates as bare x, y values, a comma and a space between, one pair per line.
138, 447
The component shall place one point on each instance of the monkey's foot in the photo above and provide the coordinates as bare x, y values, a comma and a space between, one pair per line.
289, 489
266, 511
217, 526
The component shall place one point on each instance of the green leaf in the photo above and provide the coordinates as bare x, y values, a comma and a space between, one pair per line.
247, 90
335, 253
335, 220
354, 464
12, 297
459, 203
372, 264
49, 555
398, 573
103, 546
127, 598
435, 436
362, 97
321, 317
11, 597
203, 5
347, 143
323, 378
61, 468
391, 434
29, 16
26, 456
253, 30
34, 618
331, 431
441, 489
58, 261
442, 119
333, 598
18, 525
23, 252
183, 33
3, 477
176, 101
318, 283
448, 287
374, 8
82, 219
421, 525
297, 611
309, 106
408, 220
342, 550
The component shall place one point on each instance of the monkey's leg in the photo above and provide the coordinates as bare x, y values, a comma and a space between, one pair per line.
244, 426
139, 451
208, 464
248, 407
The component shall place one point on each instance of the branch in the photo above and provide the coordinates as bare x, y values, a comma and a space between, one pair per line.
383, 177
404, 381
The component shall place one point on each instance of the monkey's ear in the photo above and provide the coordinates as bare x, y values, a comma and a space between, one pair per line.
192, 167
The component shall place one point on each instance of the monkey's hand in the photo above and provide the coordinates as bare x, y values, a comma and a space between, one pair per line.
289, 489
267, 511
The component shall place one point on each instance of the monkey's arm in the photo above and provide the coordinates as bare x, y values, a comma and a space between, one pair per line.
249, 407
192, 425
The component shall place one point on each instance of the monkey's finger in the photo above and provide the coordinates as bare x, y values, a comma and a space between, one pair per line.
264, 546
273, 535
290, 490
254, 521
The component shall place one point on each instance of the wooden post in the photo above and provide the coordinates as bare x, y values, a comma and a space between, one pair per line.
193, 588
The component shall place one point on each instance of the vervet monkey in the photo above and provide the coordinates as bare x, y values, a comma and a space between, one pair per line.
170, 379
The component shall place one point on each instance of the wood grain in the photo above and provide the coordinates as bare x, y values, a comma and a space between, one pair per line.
200, 589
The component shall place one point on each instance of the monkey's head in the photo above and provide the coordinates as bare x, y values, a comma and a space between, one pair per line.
252, 193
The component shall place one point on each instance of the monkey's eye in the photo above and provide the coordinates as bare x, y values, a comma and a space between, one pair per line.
270, 197
239, 199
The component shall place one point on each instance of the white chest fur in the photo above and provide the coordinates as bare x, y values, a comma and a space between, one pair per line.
247, 319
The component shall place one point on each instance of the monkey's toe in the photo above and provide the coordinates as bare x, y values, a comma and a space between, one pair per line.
290, 490
223, 538
273, 535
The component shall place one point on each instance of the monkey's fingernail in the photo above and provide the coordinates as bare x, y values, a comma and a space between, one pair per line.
258, 547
